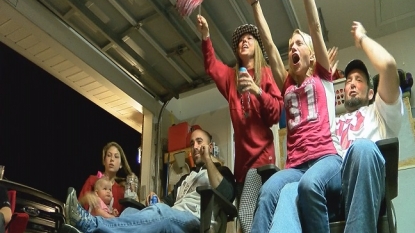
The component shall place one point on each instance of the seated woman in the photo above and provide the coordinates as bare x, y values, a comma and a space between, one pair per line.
113, 159
5, 211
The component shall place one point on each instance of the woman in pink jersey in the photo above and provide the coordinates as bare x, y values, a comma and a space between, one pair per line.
252, 115
312, 146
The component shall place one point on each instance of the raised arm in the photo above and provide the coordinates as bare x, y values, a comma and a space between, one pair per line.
215, 177
382, 61
316, 34
203, 27
275, 61
215, 68
332, 53
220, 178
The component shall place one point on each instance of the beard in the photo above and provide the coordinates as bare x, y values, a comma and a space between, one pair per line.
198, 161
355, 103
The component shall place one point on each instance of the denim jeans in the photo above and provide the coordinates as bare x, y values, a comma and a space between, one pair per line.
156, 218
317, 179
363, 177
363, 174
286, 217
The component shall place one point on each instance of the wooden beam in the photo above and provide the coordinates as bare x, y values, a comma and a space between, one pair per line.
407, 163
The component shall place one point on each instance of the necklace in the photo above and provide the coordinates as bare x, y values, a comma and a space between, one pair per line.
247, 103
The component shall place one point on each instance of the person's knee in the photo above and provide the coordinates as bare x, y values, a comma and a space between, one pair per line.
311, 184
306, 187
364, 152
270, 188
363, 144
267, 191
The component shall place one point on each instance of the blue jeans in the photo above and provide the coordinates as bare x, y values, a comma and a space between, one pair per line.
363, 174
363, 187
156, 218
317, 179
286, 217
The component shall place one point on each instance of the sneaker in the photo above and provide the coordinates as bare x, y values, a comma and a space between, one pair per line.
73, 215
76, 215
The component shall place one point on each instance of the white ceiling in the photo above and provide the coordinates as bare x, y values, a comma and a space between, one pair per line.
144, 53
379, 17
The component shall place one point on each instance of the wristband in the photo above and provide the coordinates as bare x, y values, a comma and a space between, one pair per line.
260, 92
361, 39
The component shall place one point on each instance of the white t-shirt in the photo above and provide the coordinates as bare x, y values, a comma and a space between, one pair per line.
187, 198
376, 121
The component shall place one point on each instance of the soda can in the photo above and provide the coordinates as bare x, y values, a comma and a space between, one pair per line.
153, 199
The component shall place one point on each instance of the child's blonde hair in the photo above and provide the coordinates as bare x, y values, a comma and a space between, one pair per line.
101, 182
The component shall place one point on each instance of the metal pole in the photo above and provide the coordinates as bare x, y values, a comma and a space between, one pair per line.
159, 152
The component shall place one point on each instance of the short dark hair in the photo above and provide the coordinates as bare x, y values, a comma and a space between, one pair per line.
206, 133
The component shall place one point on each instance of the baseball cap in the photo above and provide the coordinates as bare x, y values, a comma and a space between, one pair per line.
358, 64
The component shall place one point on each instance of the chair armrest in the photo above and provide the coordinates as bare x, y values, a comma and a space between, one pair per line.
129, 202
18, 223
390, 151
267, 171
209, 196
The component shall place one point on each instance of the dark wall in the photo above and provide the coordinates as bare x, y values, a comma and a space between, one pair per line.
51, 137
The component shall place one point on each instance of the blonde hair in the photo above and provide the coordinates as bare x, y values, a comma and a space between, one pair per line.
125, 166
309, 42
259, 63
100, 183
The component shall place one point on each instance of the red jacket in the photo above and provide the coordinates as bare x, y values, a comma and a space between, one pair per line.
254, 141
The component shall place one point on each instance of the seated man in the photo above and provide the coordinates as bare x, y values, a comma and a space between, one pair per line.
180, 211
363, 168
5, 211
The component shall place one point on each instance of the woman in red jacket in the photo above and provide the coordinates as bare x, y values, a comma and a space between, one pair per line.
255, 104
113, 159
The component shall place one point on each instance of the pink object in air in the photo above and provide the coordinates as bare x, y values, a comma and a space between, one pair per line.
186, 7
